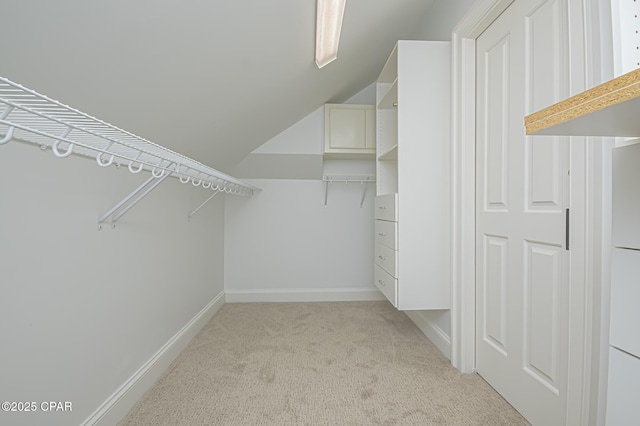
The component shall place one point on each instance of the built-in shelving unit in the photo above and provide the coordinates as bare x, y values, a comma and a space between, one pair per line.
28, 116
610, 109
412, 165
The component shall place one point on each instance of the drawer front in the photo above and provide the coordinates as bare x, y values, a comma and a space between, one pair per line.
387, 207
387, 234
387, 259
625, 298
386, 284
624, 388
626, 197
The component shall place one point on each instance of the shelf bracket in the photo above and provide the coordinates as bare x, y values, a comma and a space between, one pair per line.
202, 205
364, 192
128, 202
326, 191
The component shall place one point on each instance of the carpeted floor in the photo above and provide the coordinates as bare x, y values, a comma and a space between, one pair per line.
346, 363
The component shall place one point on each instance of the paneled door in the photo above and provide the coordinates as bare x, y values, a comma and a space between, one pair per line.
522, 185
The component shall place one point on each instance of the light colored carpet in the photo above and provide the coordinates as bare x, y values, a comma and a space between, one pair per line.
345, 363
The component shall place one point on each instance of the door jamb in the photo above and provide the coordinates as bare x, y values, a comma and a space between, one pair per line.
463, 42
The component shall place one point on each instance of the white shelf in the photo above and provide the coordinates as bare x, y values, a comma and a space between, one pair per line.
28, 116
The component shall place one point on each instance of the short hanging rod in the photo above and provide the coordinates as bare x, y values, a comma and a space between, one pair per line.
202, 205
364, 180
128, 202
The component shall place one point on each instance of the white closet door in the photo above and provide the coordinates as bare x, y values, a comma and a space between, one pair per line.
522, 266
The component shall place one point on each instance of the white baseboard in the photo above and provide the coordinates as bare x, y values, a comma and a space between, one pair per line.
304, 295
118, 405
432, 331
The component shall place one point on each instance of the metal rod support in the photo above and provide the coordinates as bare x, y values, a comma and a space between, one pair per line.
124, 200
326, 191
364, 193
138, 199
202, 205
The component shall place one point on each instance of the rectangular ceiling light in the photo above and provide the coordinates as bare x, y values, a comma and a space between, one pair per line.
328, 27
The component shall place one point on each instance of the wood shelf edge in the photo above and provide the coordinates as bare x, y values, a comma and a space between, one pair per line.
616, 91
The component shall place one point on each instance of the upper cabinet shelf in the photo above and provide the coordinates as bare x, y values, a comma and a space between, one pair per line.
610, 109
31, 117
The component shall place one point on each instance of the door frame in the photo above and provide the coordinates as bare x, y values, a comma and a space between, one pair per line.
586, 164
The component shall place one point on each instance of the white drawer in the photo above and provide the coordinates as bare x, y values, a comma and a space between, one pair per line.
387, 207
387, 259
625, 299
624, 388
387, 234
386, 284
626, 197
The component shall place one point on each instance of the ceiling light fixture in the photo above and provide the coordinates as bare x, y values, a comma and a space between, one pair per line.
328, 27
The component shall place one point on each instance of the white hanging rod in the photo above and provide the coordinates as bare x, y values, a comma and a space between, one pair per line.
364, 180
31, 117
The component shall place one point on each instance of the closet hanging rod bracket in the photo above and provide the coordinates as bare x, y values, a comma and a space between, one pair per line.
217, 191
128, 202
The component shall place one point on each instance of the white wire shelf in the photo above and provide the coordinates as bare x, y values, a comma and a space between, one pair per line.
28, 116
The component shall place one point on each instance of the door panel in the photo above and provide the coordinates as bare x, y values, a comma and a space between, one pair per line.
496, 154
522, 193
543, 280
495, 295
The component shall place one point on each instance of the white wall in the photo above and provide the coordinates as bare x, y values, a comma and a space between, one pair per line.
82, 310
284, 244
442, 17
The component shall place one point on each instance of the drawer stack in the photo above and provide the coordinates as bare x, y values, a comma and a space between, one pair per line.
624, 338
386, 245
624, 350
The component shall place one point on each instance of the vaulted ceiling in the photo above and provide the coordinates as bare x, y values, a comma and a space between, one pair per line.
211, 79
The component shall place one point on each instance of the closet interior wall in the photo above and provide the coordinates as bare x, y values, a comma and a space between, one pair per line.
81, 310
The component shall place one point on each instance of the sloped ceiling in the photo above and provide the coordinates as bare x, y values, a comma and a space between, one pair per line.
211, 79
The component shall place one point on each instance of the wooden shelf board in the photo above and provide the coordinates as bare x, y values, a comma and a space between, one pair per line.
610, 109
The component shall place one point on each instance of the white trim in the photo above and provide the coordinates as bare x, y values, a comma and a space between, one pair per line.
463, 287
434, 333
120, 402
304, 295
